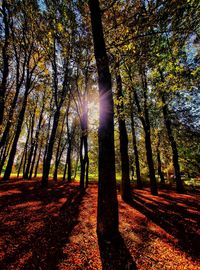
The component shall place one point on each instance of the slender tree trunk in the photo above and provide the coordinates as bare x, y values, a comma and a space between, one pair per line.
69, 162
136, 154
16, 138
55, 175
65, 168
160, 173
147, 130
86, 162
148, 147
146, 126
5, 153
82, 162
5, 58
123, 138
26, 149
27, 170
38, 161
47, 163
33, 161
9, 122
107, 212
21, 162
3, 158
179, 183
76, 167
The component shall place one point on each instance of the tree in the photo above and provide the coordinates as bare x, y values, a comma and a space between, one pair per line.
123, 137
107, 215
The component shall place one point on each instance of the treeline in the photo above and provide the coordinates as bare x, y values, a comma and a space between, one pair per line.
148, 56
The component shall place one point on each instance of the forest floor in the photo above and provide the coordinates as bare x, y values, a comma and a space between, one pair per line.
56, 229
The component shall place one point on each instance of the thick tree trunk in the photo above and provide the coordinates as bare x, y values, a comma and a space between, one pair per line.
136, 154
123, 138
47, 163
179, 183
16, 138
107, 212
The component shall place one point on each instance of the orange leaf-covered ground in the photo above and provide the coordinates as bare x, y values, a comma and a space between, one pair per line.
56, 229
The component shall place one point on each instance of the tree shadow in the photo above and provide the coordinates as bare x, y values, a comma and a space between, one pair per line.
177, 216
38, 236
115, 255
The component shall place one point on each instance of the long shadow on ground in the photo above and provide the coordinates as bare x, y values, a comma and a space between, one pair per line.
36, 224
177, 214
115, 255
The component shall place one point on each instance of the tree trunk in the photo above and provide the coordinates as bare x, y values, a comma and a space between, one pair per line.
65, 168
16, 138
33, 161
38, 161
107, 212
137, 162
179, 183
47, 163
123, 138
55, 175
10, 116
76, 167
160, 173
21, 162
5, 59
27, 170
5, 153
150, 162
69, 162
82, 162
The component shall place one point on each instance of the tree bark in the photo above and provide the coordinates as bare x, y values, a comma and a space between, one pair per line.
179, 183
16, 138
47, 163
36, 139
5, 58
160, 173
107, 212
57, 161
136, 154
69, 162
38, 161
27, 170
123, 138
